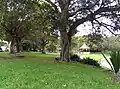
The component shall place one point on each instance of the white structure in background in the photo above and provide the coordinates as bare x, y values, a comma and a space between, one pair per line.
84, 49
5, 47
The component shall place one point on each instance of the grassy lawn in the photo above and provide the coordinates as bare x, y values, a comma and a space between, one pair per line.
37, 55
96, 56
40, 74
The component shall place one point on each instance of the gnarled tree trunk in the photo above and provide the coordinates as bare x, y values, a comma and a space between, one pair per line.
65, 47
43, 49
18, 45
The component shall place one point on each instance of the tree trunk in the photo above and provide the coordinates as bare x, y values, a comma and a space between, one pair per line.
65, 47
43, 49
12, 48
18, 45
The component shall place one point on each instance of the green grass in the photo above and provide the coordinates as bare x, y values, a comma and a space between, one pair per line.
40, 74
95, 56
37, 55
29, 55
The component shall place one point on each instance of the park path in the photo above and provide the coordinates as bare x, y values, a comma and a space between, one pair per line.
104, 63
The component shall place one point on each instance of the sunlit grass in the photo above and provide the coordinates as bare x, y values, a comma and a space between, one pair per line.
32, 74
38, 55
22, 74
95, 56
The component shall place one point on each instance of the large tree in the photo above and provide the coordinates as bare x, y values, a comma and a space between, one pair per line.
42, 30
72, 13
16, 21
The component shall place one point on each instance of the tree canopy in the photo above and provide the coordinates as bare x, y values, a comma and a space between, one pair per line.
21, 19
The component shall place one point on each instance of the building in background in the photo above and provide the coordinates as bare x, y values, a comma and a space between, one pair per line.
84, 49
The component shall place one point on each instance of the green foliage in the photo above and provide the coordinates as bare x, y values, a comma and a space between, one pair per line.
23, 20
27, 45
95, 41
90, 61
42, 29
2, 43
75, 58
87, 60
16, 19
115, 60
78, 41
51, 48
111, 43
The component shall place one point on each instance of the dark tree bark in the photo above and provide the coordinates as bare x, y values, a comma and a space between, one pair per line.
43, 49
65, 46
18, 45
66, 38
43, 43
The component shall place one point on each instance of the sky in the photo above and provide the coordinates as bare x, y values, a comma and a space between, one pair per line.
86, 29
83, 29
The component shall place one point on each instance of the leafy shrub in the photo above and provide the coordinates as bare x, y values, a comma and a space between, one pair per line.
115, 60
75, 57
87, 60
90, 61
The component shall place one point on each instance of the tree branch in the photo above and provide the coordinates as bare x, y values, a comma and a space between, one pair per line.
49, 1
106, 26
85, 8
97, 12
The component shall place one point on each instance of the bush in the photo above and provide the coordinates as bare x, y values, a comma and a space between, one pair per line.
87, 60
115, 60
75, 57
90, 61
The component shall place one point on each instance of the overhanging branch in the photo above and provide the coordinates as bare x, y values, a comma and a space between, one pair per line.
92, 15
106, 26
